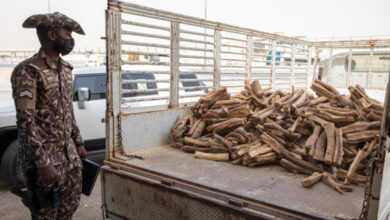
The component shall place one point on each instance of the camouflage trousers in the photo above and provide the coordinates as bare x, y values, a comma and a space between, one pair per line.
70, 183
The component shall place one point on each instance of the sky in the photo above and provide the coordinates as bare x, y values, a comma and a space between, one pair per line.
311, 18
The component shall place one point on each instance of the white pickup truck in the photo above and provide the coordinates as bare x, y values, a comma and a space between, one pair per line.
89, 83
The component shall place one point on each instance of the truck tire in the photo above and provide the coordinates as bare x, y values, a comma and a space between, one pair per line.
11, 170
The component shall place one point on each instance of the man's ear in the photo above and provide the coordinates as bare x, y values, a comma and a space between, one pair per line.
51, 35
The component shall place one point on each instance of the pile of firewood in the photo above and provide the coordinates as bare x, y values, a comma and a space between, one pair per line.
330, 137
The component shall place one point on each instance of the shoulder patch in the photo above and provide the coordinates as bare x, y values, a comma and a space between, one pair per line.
25, 93
26, 82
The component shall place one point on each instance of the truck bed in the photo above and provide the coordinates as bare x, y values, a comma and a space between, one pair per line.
272, 184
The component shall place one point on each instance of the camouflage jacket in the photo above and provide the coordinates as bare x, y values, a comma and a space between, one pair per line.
43, 95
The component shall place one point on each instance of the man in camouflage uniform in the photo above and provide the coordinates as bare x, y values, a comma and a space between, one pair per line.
47, 131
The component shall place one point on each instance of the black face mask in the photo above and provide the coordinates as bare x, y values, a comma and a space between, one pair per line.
63, 46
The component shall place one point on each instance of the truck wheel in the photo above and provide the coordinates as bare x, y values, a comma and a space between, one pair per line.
11, 170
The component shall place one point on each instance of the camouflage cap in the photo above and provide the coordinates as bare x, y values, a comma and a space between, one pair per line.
55, 19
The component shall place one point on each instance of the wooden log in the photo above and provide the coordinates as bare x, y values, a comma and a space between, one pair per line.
287, 155
328, 87
259, 150
240, 112
340, 112
193, 127
374, 117
216, 143
327, 177
350, 147
355, 178
324, 89
287, 133
227, 125
303, 131
318, 100
236, 136
271, 142
295, 125
188, 149
294, 168
354, 165
311, 141
249, 137
215, 95
348, 152
330, 148
243, 150
266, 158
360, 126
258, 101
362, 136
339, 149
256, 88
214, 121
369, 149
181, 126
271, 100
299, 151
230, 102
211, 156
368, 110
300, 101
240, 96
216, 113
227, 143
196, 142
319, 150
295, 96
335, 118
199, 128
317, 119
218, 149
311, 180
263, 114
279, 103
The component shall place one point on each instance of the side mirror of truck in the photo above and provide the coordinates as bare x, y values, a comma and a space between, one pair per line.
83, 95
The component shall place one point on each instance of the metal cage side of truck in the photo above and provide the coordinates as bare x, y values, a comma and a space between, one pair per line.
145, 178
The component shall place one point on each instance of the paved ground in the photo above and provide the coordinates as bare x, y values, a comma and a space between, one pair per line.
11, 208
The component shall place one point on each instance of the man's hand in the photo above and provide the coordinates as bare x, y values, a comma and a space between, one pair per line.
48, 175
82, 152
